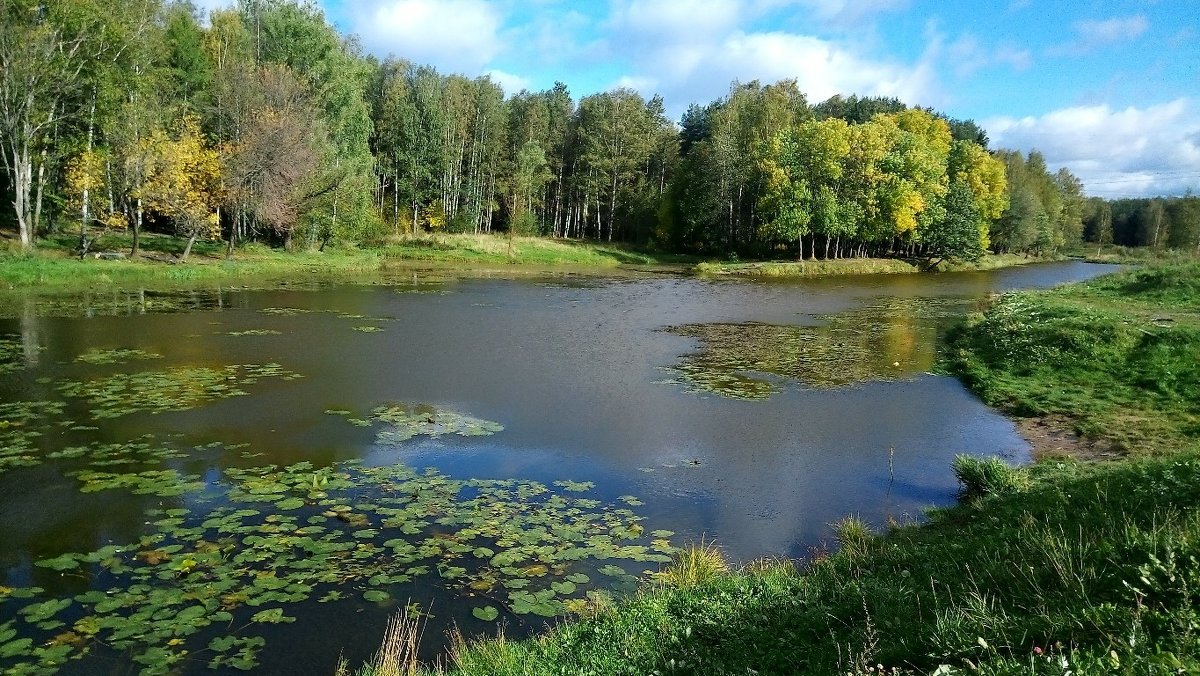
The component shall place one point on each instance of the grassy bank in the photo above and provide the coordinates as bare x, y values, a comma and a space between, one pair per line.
1115, 359
1057, 568
53, 266
1129, 255
851, 266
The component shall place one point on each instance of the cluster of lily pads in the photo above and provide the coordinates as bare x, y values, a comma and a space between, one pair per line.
115, 356
401, 422
23, 424
13, 353
254, 332
175, 389
888, 340
202, 583
221, 559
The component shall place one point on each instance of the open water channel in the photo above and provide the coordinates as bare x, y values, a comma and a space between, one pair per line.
257, 478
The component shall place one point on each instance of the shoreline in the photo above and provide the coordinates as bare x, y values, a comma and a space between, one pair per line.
53, 269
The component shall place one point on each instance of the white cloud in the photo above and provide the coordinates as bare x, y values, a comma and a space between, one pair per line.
678, 21
510, 82
1093, 34
1132, 152
453, 35
822, 68
689, 55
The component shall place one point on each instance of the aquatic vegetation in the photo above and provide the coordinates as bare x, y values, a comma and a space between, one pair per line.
115, 356
176, 389
888, 340
255, 332
14, 353
112, 302
22, 424
202, 582
285, 311
402, 422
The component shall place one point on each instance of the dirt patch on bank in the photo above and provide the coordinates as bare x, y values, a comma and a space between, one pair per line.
1055, 437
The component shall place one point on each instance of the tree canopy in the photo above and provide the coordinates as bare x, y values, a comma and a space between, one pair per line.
316, 142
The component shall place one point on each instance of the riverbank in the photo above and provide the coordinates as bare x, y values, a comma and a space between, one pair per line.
53, 267
852, 266
1113, 361
1064, 566
1129, 255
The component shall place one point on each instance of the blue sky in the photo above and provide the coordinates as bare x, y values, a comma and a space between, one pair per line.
1109, 89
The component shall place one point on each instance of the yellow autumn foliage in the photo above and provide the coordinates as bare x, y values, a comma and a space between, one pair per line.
183, 178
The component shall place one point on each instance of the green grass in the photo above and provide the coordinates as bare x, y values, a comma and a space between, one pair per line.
539, 251
1131, 255
1061, 567
52, 267
995, 262
1117, 357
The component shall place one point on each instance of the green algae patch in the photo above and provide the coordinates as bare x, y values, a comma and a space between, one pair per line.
115, 356
206, 580
399, 423
177, 389
889, 340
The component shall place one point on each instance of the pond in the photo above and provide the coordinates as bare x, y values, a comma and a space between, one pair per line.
237, 478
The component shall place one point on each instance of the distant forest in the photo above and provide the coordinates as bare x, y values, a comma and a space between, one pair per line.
263, 123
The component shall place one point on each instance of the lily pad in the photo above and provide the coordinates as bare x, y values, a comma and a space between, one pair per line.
486, 613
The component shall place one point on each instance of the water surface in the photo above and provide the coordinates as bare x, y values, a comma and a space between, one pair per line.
752, 413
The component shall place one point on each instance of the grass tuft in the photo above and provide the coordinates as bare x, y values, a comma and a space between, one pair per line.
397, 655
696, 564
981, 477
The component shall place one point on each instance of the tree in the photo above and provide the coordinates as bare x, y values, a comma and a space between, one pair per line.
529, 174
43, 56
956, 236
183, 181
272, 170
1104, 231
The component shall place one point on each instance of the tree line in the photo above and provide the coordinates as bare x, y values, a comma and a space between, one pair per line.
265, 123
1158, 222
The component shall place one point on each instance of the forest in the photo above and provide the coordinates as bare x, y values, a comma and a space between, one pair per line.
264, 123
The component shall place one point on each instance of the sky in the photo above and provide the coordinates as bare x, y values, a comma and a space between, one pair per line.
1109, 89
